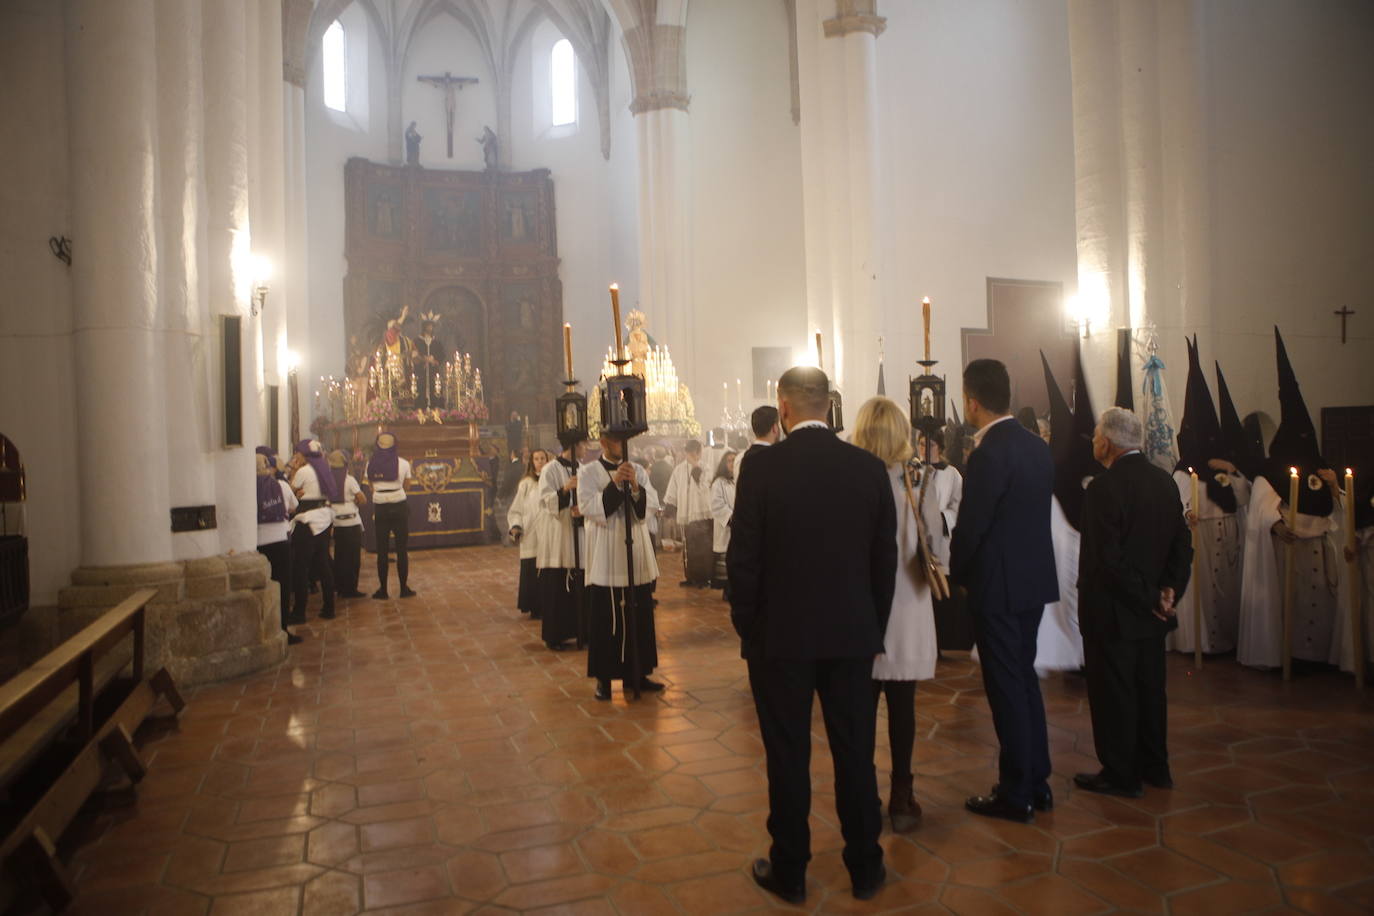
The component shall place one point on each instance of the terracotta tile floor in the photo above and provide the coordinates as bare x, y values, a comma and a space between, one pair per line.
430, 756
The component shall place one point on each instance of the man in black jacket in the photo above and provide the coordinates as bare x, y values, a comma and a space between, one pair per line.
764, 422
1133, 566
812, 565
1002, 554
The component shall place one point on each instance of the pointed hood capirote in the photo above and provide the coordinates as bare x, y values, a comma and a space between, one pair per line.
1071, 441
1295, 443
1125, 391
1236, 445
1199, 434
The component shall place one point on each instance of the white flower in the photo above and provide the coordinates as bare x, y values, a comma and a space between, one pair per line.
1314, 482
1222, 478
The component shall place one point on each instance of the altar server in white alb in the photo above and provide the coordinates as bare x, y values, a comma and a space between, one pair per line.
601, 498
562, 550
316, 489
1222, 489
1317, 565
940, 505
688, 503
1342, 649
722, 508
522, 521
1060, 640
348, 527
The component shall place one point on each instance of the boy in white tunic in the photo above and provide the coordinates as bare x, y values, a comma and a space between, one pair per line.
601, 500
562, 551
688, 503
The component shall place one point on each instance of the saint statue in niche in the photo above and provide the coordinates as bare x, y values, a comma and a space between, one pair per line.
413, 139
489, 149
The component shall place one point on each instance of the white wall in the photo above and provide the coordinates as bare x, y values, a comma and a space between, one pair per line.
977, 152
748, 275
37, 403
1291, 130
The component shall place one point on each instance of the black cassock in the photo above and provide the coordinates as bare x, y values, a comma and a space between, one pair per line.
608, 649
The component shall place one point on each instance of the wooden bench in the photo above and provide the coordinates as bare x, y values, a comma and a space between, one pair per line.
61, 720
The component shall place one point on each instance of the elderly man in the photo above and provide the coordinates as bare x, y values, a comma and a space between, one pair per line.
812, 565
1133, 566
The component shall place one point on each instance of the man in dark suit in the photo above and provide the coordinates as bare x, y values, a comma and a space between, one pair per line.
812, 565
1001, 553
764, 423
1133, 566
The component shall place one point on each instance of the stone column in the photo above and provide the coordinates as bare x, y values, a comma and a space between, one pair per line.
837, 75
1142, 205
658, 74
121, 426
228, 248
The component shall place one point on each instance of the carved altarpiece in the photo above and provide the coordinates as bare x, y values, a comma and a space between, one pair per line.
478, 248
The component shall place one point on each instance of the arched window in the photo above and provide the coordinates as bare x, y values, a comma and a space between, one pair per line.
563, 83
335, 56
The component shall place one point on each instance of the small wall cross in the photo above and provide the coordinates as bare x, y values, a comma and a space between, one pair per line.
1345, 312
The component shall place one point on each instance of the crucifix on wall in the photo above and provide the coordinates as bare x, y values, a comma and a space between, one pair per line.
449, 83
1344, 312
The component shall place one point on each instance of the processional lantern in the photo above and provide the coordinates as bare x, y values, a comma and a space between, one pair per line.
834, 414
624, 398
928, 389
570, 409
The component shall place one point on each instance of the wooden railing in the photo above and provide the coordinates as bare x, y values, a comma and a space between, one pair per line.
54, 745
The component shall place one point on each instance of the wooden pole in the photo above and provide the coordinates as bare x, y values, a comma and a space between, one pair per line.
1197, 570
1290, 548
1356, 586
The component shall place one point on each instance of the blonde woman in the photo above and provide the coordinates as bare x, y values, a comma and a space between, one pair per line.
909, 644
523, 512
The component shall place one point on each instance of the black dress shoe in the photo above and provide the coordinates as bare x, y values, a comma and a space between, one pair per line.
764, 878
353, 594
1159, 780
381, 594
648, 686
293, 640
555, 646
1042, 800
869, 889
995, 805
603, 690
407, 592
1099, 783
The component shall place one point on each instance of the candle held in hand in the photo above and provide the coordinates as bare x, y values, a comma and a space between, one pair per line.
925, 321
567, 348
820, 354
615, 312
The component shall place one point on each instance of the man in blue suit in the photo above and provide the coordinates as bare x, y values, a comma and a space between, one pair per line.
1002, 554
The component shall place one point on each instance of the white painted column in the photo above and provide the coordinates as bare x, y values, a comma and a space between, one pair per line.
121, 430
837, 74
665, 276
227, 248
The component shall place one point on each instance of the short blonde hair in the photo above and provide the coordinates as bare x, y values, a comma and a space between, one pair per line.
882, 428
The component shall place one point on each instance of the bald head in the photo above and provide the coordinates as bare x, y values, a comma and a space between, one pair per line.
805, 394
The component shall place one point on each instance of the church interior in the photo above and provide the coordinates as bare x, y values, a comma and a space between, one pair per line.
233, 225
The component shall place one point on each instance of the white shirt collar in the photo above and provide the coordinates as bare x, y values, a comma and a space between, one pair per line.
978, 436
807, 424
761, 442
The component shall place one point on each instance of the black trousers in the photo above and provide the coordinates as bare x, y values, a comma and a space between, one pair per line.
1006, 653
1127, 699
901, 723
782, 691
348, 557
527, 595
310, 558
609, 651
560, 603
392, 519
698, 560
279, 557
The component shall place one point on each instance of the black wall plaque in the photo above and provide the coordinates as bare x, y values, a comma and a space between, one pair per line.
273, 416
233, 381
193, 518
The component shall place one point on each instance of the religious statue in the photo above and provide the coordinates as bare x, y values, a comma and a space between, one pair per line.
413, 139
429, 361
488, 141
638, 340
395, 342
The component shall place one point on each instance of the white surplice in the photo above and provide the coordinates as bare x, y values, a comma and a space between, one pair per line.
1221, 542
554, 526
1342, 652
523, 514
605, 555
1059, 642
1316, 574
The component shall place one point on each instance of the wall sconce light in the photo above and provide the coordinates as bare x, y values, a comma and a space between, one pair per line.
262, 272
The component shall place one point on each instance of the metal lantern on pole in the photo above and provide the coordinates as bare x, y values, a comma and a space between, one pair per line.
570, 408
927, 392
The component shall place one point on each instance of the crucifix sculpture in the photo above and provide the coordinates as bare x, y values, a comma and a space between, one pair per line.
448, 82
1345, 312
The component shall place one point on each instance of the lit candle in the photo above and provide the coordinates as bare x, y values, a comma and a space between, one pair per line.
820, 354
1353, 571
739, 396
615, 312
1288, 574
925, 320
1350, 508
567, 348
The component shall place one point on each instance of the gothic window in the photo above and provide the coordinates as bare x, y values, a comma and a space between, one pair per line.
563, 83
335, 56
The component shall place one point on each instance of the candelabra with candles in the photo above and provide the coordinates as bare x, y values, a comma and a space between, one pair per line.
669, 405
927, 391
390, 390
